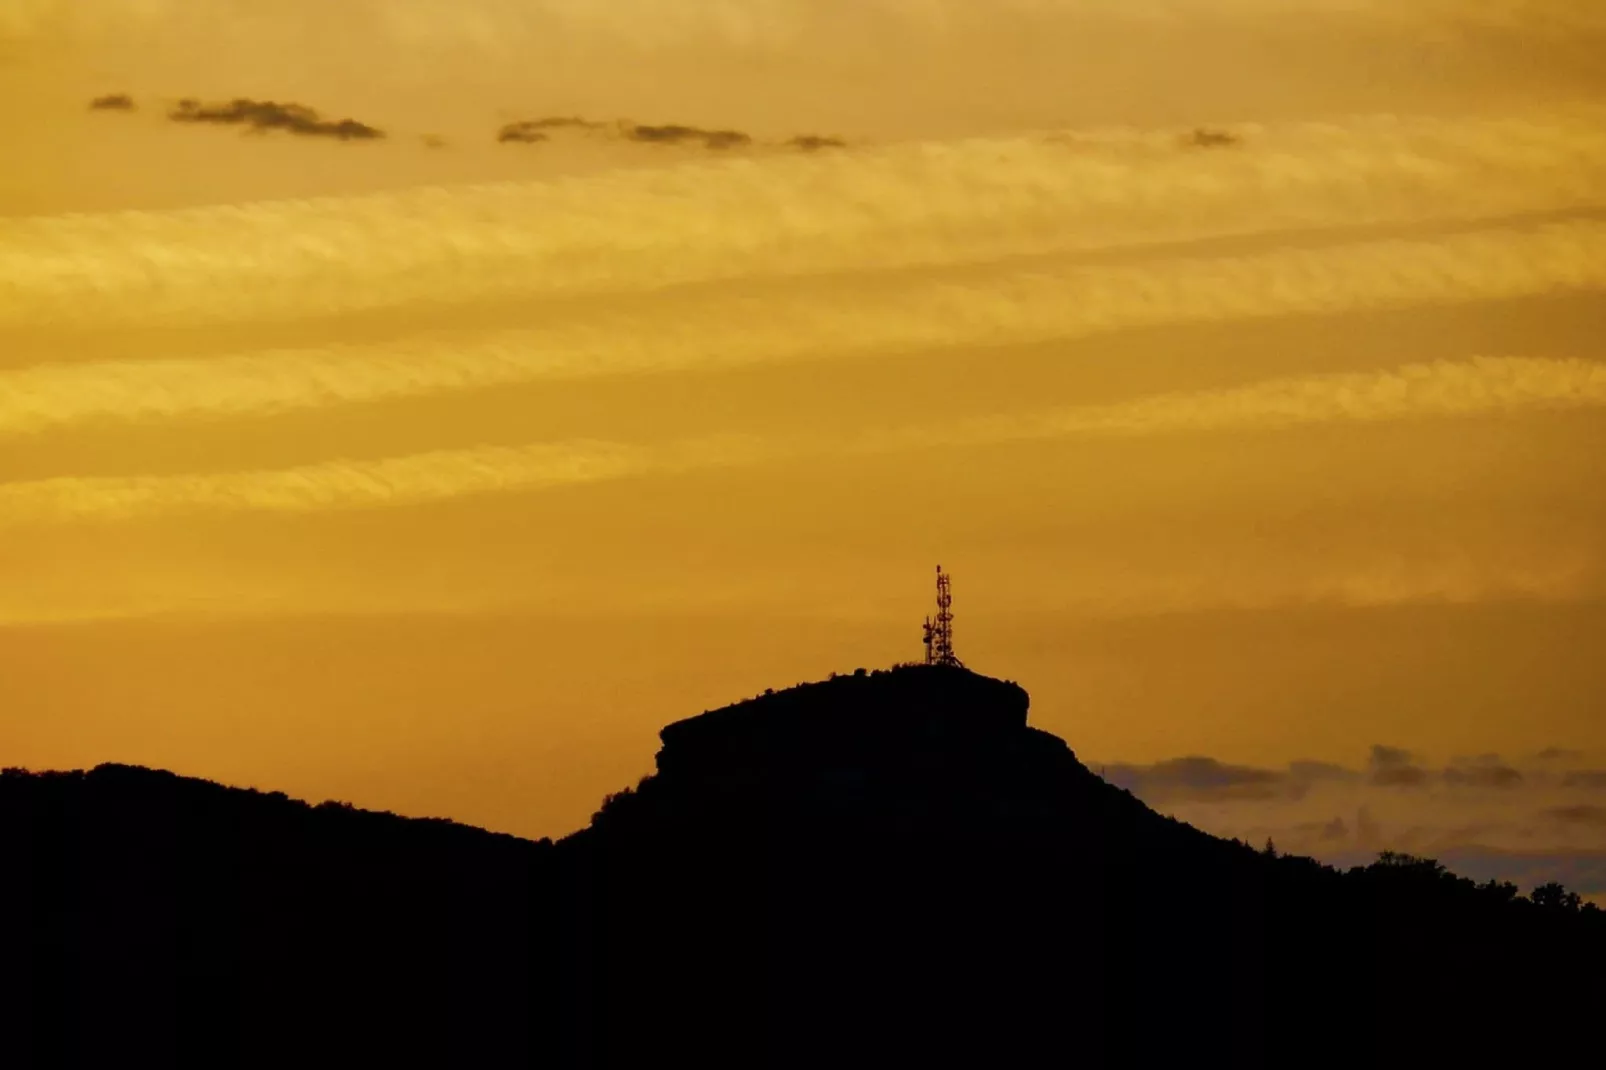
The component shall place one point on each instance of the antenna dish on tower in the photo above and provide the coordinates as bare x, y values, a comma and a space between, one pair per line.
940, 631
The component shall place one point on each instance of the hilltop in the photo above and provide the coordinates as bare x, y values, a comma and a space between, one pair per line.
880, 868
151, 919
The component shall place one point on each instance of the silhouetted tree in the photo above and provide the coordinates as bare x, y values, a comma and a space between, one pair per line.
1555, 896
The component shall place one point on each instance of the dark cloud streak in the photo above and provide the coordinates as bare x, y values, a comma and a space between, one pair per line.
1487, 771
1202, 779
521, 133
1309, 772
112, 102
815, 142
1390, 767
1590, 816
1208, 138
536, 131
270, 115
1209, 779
675, 135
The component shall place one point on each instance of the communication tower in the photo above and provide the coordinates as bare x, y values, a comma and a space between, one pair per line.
940, 631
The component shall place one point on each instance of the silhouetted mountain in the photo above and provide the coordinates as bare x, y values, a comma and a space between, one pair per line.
154, 920
884, 868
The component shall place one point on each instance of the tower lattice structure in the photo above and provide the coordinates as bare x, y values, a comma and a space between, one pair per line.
940, 630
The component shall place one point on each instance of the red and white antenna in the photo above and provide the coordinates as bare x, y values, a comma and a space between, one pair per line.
940, 632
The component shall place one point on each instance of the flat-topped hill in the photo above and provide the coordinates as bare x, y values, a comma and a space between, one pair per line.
837, 739
881, 869
902, 701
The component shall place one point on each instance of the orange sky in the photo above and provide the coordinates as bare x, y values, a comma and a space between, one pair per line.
437, 475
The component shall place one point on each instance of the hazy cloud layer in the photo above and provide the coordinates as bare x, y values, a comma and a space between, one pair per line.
1391, 767
1001, 308
1202, 778
1485, 771
1445, 389
1585, 814
648, 24
1524, 820
879, 209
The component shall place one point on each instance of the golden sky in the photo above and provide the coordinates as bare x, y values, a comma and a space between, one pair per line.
1241, 358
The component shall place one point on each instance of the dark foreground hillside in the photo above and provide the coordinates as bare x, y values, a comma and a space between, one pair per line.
880, 869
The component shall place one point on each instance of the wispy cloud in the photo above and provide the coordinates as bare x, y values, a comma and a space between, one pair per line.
655, 24
700, 333
893, 207
1444, 389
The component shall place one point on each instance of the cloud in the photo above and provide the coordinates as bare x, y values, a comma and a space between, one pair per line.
1593, 779
112, 102
530, 131
815, 142
269, 115
1005, 308
1444, 389
1592, 816
1441, 389
679, 135
521, 133
1199, 778
1367, 830
1394, 768
1559, 754
541, 130
1486, 771
1206, 137
1309, 772
875, 209
1335, 831
414, 479
652, 25
1523, 827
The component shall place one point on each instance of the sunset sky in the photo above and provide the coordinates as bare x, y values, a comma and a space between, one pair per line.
1242, 359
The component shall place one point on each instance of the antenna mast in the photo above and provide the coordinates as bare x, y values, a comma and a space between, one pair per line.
940, 632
